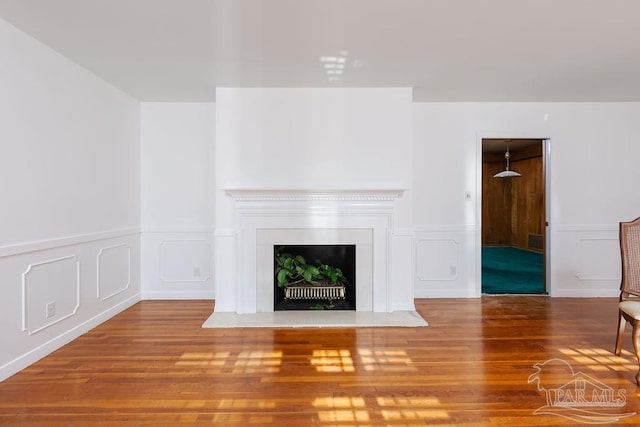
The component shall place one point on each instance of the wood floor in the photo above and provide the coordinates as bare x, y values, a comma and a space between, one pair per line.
154, 365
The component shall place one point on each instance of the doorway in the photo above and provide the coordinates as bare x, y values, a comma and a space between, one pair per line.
514, 216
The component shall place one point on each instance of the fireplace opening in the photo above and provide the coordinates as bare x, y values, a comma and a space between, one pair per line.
320, 265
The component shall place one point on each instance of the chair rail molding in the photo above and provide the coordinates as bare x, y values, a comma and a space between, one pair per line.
58, 242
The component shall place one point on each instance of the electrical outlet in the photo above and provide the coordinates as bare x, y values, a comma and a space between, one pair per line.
51, 309
196, 271
452, 270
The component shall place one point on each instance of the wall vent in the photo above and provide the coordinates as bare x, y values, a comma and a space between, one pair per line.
535, 241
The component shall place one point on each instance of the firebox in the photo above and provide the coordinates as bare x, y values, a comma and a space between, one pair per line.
317, 277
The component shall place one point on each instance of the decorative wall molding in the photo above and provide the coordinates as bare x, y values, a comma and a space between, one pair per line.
315, 195
206, 229
25, 300
98, 279
447, 278
449, 267
225, 232
162, 264
403, 232
597, 240
590, 228
577, 246
450, 228
40, 245
597, 279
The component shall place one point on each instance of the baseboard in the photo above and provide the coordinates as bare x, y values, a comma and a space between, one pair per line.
443, 293
177, 295
49, 347
586, 293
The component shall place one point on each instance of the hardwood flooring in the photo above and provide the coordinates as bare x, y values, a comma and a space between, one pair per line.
154, 365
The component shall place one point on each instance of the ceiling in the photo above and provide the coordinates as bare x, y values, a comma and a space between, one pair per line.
446, 50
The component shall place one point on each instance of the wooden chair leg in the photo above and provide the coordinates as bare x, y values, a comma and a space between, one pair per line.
621, 325
636, 347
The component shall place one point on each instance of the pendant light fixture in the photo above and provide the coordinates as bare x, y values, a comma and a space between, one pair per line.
506, 173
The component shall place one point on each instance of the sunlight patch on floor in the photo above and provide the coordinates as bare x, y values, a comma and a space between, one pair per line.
386, 360
341, 409
601, 360
332, 361
247, 362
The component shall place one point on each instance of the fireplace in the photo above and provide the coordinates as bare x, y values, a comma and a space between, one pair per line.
313, 242
264, 219
330, 282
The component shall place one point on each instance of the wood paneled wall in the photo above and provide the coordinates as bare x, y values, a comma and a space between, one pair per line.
496, 206
513, 208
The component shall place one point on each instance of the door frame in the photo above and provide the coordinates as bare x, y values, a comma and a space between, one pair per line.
546, 173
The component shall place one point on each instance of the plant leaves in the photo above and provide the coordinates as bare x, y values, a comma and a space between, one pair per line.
307, 275
282, 278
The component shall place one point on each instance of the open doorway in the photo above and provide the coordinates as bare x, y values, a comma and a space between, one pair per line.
513, 216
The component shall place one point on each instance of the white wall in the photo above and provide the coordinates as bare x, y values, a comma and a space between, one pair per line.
69, 222
592, 187
177, 182
314, 138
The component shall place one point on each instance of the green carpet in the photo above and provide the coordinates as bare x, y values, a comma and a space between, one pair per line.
507, 270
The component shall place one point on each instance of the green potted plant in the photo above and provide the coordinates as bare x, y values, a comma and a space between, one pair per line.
293, 270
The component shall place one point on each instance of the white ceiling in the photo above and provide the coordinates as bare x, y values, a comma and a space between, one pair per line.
447, 50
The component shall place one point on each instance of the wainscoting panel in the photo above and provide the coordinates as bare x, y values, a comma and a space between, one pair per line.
437, 259
585, 261
445, 262
185, 260
55, 290
50, 293
114, 270
177, 263
607, 250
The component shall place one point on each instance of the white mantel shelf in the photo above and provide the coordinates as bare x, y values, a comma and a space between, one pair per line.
337, 195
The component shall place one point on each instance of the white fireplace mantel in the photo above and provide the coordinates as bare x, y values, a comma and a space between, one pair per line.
313, 213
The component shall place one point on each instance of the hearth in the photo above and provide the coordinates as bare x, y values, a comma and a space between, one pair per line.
314, 277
